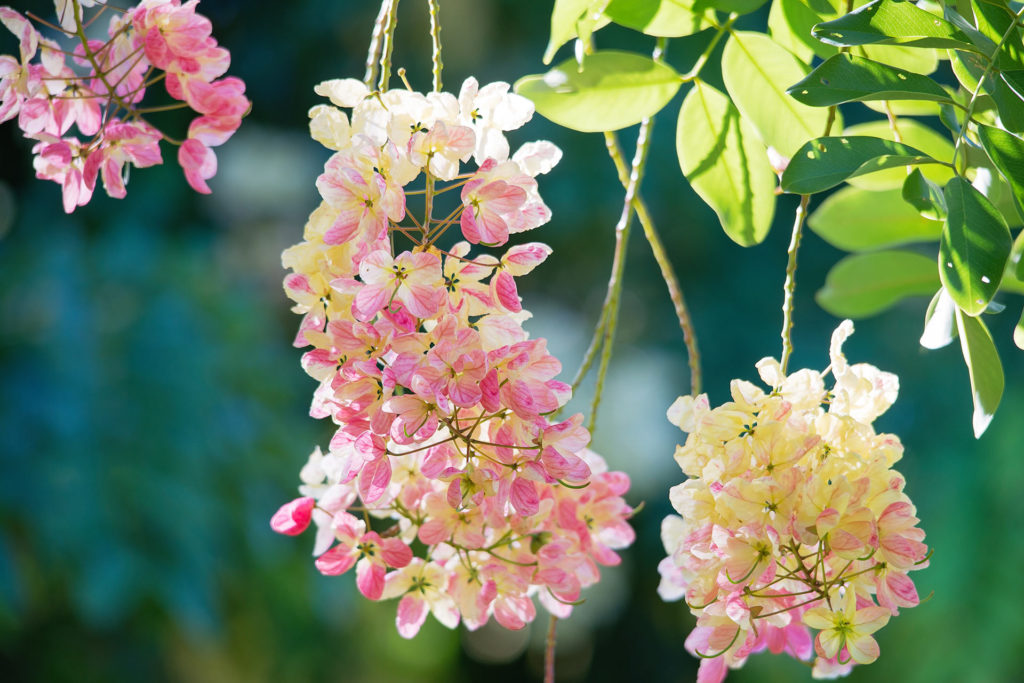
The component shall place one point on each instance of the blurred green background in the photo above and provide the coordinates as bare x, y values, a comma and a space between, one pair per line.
153, 414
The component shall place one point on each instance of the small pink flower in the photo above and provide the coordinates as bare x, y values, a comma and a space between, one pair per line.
293, 518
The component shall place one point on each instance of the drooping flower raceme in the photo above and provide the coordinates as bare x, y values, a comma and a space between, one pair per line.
792, 519
442, 402
97, 87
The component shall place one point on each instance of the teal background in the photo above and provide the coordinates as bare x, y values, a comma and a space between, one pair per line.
153, 414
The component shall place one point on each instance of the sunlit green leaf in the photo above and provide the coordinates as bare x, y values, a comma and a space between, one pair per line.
1011, 108
1017, 257
924, 196
614, 90
566, 17
844, 78
893, 22
826, 162
856, 220
917, 59
1007, 153
984, 368
668, 18
862, 285
993, 18
939, 321
1018, 333
974, 247
726, 164
916, 135
789, 25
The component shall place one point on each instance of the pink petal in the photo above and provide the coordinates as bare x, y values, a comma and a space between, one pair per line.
412, 612
293, 518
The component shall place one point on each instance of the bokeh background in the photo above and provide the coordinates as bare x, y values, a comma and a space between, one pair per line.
153, 414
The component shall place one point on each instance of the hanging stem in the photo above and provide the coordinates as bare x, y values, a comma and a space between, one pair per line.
622, 228
373, 55
668, 273
388, 45
789, 287
549, 651
435, 36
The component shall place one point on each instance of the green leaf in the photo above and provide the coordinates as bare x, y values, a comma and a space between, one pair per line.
916, 135
666, 18
757, 71
566, 19
826, 162
974, 247
893, 22
924, 196
721, 156
857, 220
787, 21
1014, 79
984, 368
939, 322
917, 59
614, 90
737, 6
862, 285
1007, 153
1017, 257
1011, 108
844, 78
993, 18
1018, 333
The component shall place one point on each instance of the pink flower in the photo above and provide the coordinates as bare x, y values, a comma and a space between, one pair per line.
199, 163
371, 554
293, 518
414, 279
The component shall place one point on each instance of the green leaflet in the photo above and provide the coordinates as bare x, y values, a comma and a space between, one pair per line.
570, 19
974, 247
826, 162
667, 18
862, 285
853, 219
984, 368
614, 90
757, 71
893, 22
845, 78
924, 196
1007, 153
939, 322
916, 135
726, 164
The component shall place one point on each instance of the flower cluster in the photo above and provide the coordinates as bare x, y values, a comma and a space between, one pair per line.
447, 483
792, 519
98, 86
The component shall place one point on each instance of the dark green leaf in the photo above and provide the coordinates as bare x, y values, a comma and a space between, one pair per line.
924, 195
856, 220
1017, 257
757, 71
826, 162
893, 22
614, 90
726, 164
862, 285
974, 247
1015, 79
1011, 108
668, 18
939, 321
984, 368
844, 78
1007, 153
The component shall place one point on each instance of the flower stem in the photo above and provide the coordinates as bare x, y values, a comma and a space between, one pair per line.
789, 288
373, 55
435, 36
549, 651
387, 45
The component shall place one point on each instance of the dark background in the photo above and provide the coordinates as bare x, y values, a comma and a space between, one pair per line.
153, 414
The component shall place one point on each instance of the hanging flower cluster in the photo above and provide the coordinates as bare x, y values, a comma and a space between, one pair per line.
442, 402
98, 86
792, 519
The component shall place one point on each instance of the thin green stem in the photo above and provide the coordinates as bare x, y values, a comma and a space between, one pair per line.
549, 651
435, 37
373, 54
726, 26
622, 229
388, 46
789, 288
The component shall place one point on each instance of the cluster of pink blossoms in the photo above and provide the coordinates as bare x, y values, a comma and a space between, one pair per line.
98, 86
792, 519
441, 400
